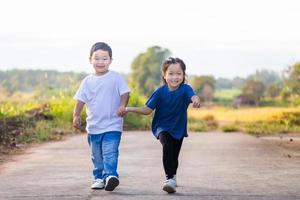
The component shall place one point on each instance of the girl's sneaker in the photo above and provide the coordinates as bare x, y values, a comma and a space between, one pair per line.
169, 186
98, 184
174, 178
111, 183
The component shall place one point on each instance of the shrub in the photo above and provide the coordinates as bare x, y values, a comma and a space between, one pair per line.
230, 128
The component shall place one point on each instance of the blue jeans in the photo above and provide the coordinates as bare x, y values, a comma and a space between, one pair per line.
105, 153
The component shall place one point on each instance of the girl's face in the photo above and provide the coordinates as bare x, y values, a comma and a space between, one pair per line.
174, 76
100, 60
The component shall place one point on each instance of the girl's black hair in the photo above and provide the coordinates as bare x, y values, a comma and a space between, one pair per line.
102, 46
166, 63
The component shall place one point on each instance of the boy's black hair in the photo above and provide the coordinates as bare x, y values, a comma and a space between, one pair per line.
102, 46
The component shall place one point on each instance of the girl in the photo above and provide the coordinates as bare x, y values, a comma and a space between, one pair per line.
169, 123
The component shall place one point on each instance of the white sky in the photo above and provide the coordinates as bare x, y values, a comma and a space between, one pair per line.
214, 37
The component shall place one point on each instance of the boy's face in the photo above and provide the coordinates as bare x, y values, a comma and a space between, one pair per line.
174, 76
100, 61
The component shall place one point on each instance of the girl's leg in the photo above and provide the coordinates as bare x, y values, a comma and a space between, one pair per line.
168, 151
177, 148
96, 154
110, 148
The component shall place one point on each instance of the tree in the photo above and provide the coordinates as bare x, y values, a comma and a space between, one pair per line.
266, 77
253, 90
146, 70
274, 90
293, 81
204, 86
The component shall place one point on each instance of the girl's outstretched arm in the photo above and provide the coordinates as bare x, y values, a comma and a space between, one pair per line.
195, 101
139, 110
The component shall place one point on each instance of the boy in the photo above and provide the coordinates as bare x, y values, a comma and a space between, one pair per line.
105, 94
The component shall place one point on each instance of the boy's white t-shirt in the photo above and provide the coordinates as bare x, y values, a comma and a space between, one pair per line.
102, 95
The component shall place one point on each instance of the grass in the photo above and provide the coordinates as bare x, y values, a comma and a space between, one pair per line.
227, 93
230, 115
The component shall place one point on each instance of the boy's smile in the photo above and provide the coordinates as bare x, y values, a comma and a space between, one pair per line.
100, 61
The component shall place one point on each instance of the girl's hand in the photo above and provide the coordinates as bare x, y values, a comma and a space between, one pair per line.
76, 122
195, 101
121, 111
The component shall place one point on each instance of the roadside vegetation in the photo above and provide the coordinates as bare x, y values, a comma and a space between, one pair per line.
37, 106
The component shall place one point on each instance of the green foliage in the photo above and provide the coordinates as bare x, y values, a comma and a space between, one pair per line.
199, 126
225, 97
207, 123
40, 132
285, 122
263, 127
210, 121
253, 90
135, 121
274, 90
266, 77
204, 86
146, 70
287, 118
30, 80
62, 108
231, 128
293, 81
274, 102
11, 108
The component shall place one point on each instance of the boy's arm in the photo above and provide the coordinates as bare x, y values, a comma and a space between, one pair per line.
76, 114
139, 110
123, 104
195, 101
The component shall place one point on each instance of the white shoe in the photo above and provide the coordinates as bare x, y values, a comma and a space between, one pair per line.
169, 186
111, 183
174, 178
98, 184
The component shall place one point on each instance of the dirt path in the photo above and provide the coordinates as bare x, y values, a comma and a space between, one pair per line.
213, 166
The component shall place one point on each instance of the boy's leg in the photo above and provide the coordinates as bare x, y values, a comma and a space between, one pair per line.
168, 151
110, 149
96, 154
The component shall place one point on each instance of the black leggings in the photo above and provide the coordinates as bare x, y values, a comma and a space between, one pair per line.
171, 149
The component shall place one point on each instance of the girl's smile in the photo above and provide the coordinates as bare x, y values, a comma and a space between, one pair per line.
174, 76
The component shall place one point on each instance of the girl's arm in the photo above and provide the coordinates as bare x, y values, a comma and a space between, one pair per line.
123, 104
139, 110
195, 101
76, 114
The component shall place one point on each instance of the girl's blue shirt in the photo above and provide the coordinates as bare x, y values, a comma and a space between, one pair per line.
170, 110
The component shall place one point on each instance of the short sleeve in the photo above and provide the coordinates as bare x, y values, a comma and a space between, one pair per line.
153, 100
80, 93
189, 93
122, 85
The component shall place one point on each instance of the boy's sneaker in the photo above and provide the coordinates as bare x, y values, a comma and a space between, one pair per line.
111, 183
98, 184
169, 186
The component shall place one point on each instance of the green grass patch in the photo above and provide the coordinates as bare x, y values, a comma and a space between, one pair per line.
231, 128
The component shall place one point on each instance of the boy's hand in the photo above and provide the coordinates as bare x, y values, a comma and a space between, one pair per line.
121, 111
195, 101
76, 122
